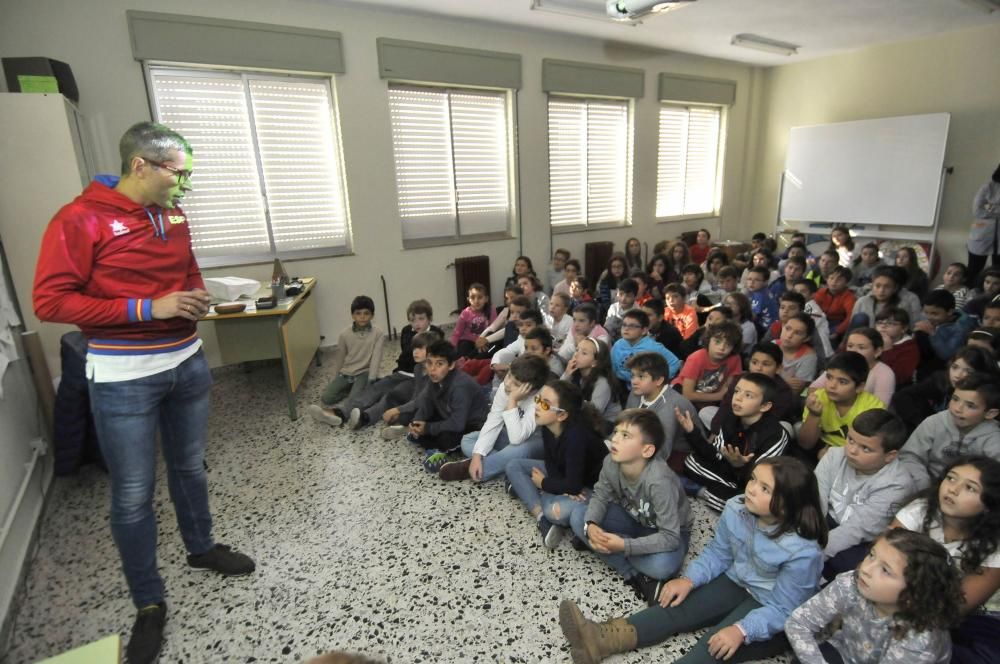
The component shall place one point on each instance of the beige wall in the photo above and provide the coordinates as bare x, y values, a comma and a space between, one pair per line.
92, 36
958, 72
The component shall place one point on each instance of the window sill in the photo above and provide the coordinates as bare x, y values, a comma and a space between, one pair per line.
583, 228
710, 216
431, 242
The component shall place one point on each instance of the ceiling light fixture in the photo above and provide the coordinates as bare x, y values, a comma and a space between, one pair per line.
630, 10
988, 6
764, 44
574, 8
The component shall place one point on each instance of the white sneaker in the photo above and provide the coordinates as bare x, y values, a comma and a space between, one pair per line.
393, 432
354, 421
323, 416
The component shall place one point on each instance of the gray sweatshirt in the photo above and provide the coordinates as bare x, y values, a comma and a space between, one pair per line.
863, 505
656, 500
937, 442
864, 636
663, 405
358, 352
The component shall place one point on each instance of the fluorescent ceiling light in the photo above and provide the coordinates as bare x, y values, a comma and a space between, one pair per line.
575, 8
764, 44
988, 6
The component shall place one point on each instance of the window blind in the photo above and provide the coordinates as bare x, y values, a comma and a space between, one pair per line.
452, 160
268, 176
688, 160
589, 161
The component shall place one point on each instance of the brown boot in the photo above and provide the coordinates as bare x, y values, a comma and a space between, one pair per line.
591, 642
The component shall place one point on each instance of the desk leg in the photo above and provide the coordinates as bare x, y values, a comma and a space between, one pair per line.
293, 412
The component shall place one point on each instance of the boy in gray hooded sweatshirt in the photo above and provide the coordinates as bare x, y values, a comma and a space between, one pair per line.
968, 427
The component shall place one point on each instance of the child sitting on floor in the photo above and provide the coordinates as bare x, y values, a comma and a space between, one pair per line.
628, 289
896, 606
968, 427
638, 519
798, 366
867, 342
651, 389
747, 433
635, 339
584, 325
707, 373
573, 454
590, 370
356, 361
451, 406
943, 331
830, 411
837, 301
678, 312
861, 486
762, 304
559, 321
899, 350
763, 562
473, 321
509, 431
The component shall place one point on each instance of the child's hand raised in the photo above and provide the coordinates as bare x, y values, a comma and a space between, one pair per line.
684, 419
732, 454
675, 591
814, 405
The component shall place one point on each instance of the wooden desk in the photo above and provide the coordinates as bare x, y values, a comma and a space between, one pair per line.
289, 331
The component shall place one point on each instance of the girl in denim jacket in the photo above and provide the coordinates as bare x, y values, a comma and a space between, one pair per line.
764, 561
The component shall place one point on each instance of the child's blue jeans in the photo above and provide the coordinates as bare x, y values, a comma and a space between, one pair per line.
495, 463
555, 508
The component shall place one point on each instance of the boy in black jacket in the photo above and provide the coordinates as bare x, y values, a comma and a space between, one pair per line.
743, 437
451, 406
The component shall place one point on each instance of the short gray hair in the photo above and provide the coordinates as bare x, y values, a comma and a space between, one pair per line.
152, 141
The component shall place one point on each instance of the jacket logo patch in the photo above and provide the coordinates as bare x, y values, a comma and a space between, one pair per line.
177, 219
118, 228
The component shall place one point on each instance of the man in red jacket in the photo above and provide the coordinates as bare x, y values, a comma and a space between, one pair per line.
117, 262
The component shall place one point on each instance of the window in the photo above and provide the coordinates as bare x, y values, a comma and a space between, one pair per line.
452, 151
689, 160
268, 170
590, 161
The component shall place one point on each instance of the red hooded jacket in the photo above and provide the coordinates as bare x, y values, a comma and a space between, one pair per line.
105, 258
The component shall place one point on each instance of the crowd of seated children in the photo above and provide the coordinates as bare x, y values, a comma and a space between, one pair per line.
573, 453
708, 373
590, 370
769, 413
637, 518
744, 433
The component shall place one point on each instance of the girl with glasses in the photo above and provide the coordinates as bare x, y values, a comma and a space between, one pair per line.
574, 451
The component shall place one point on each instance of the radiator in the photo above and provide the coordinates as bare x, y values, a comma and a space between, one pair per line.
470, 270
595, 257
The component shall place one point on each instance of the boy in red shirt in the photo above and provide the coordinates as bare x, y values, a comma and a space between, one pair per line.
899, 349
837, 301
678, 312
707, 373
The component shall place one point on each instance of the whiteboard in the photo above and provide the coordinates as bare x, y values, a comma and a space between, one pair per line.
885, 171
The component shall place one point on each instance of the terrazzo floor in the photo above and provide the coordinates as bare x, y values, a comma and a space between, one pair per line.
357, 548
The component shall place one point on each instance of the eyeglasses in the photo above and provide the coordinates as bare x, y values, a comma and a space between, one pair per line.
545, 405
183, 175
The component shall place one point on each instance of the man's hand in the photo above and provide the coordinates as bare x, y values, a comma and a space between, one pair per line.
684, 419
725, 642
476, 467
390, 415
732, 454
675, 591
536, 477
192, 305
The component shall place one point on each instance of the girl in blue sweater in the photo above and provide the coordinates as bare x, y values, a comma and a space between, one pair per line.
764, 561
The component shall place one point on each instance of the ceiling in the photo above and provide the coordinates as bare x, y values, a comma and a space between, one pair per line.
706, 27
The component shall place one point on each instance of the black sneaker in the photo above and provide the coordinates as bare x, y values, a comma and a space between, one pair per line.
551, 533
222, 559
509, 489
645, 588
578, 544
147, 634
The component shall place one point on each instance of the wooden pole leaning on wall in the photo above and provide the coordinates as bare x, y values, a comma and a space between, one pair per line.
42, 378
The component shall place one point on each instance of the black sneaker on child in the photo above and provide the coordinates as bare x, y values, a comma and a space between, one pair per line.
147, 634
645, 588
509, 489
222, 559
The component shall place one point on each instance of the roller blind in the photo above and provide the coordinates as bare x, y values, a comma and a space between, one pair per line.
451, 150
589, 161
268, 172
688, 160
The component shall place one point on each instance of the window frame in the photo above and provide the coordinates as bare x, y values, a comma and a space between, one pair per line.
245, 73
513, 198
720, 163
629, 162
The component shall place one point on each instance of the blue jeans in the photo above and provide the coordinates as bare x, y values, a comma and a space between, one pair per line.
495, 463
659, 565
127, 415
555, 508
